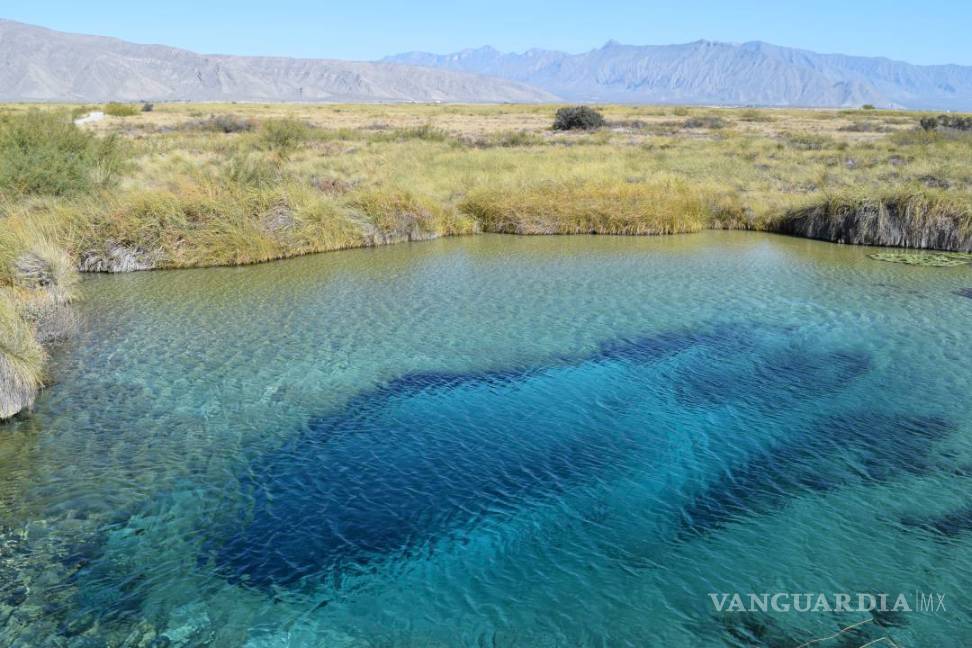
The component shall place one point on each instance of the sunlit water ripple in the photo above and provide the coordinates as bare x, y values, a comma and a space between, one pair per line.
498, 441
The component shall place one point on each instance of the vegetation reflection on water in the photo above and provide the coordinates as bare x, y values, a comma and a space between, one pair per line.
556, 441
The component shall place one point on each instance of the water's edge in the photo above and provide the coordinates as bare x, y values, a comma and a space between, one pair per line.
869, 225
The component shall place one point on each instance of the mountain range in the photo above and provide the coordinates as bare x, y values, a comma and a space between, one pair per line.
39, 64
707, 72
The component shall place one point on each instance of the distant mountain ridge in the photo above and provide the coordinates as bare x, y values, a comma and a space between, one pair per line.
708, 72
39, 64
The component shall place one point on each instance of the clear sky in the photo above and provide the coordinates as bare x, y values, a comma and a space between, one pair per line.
918, 32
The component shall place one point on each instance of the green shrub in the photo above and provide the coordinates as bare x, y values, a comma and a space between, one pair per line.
753, 115
946, 122
116, 109
425, 132
868, 107
81, 111
148, 107
253, 170
44, 153
284, 135
866, 126
705, 122
504, 139
578, 118
809, 141
221, 124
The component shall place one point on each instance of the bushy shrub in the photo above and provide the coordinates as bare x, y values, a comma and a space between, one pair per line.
868, 107
808, 141
578, 118
44, 153
148, 107
953, 122
253, 170
866, 126
425, 132
754, 115
705, 122
284, 135
81, 111
116, 109
221, 124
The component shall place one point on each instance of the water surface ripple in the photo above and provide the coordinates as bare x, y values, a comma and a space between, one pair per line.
498, 441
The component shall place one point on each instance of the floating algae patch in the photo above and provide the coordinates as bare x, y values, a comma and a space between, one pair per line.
926, 259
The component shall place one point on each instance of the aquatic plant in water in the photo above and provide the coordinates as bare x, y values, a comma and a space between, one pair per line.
926, 259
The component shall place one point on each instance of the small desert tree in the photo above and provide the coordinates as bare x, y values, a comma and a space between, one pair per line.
578, 118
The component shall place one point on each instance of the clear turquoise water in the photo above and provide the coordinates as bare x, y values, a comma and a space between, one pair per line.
498, 441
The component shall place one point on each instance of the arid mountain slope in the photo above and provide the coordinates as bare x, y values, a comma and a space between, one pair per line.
718, 73
45, 65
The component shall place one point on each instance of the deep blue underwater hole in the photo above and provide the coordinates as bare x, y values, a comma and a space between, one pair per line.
428, 457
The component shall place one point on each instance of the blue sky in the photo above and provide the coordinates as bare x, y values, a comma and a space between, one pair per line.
918, 32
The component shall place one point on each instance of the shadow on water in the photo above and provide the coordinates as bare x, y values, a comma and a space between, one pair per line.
428, 456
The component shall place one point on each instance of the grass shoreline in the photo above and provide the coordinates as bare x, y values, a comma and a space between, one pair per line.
220, 185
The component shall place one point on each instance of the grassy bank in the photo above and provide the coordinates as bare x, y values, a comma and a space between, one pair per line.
193, 185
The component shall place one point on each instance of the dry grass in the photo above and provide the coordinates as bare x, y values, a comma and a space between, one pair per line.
21, 359
225, 184
664, 206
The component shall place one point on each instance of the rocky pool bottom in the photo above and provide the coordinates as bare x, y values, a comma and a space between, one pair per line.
498, 440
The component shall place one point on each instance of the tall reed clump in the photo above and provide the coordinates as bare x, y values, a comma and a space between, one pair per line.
392, 214
204, 221
915, 219
37, 282
249, 211
22, 359
660, 206
46, 159
44, 153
